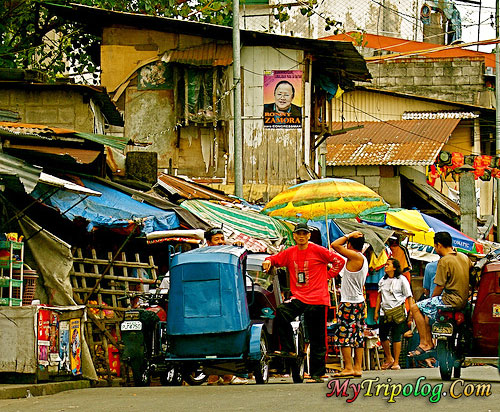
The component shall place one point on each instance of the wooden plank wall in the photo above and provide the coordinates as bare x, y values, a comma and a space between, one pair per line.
270, 156
103, 284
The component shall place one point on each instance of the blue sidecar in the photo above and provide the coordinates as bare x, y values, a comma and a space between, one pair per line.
208, 321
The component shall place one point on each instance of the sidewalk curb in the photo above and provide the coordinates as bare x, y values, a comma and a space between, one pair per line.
40, 389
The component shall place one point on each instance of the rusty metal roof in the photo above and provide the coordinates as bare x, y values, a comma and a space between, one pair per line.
182, 188
337, 58
37, 131
210, 54
394, 142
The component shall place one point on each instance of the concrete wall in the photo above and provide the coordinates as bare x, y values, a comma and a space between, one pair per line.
458, 80
56, 108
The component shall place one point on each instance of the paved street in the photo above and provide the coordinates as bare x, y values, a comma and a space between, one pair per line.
282, 394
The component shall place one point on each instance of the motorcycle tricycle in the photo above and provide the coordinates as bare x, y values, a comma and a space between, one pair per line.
470, 336
209, 326
145, 343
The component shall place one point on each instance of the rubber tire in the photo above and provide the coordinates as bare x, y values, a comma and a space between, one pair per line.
445, 359
298, 365
457, 371
142, 375
261, 371
171, 377
195, 377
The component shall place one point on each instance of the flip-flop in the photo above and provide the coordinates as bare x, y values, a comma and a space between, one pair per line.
314, 380
421, 354
350, 375
386, 365
396, 367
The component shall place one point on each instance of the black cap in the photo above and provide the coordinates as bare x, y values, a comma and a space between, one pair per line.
302, 226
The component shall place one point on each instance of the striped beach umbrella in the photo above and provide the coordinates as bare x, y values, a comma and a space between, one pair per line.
329, 198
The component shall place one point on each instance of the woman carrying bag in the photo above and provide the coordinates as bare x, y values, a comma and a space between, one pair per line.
393, 291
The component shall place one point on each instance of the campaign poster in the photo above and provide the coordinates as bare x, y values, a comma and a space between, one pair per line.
75, 346
283, 99
64, 364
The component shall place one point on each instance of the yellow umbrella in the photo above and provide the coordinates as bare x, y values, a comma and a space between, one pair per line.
330, 198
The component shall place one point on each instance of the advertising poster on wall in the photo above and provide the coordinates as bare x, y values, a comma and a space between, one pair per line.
43, 334
64, 364
75, 347
283, 99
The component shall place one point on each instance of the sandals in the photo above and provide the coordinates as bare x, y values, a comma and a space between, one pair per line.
314, 379
421, 354
387, 365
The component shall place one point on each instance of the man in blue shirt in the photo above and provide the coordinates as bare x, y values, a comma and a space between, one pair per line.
429, 275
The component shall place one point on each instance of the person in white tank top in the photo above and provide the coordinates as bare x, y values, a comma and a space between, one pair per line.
351, 310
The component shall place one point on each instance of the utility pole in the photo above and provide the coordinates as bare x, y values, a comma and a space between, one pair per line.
497, 123
238, 140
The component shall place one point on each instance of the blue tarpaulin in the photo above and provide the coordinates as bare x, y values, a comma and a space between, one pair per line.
113, 209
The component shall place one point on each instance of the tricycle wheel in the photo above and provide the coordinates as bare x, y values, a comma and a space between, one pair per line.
172, 377
261, 371
445, 359
298, 364
142, 375
457, 370
195, 377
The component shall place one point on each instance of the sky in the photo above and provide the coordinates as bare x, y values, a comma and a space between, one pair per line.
470, 16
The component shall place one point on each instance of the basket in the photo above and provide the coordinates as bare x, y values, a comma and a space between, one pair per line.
29, 279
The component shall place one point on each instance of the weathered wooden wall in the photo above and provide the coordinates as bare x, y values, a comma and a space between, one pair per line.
270, 156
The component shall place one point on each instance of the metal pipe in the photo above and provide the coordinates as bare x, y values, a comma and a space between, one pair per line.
238, 140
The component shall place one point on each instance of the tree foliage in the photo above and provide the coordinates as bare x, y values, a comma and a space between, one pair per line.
32, 37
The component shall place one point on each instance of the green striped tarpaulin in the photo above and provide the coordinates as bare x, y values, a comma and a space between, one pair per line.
248, 222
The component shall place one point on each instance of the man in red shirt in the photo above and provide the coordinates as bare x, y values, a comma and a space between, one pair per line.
307, 266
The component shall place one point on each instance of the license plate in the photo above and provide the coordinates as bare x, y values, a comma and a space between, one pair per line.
443, 329
131, 325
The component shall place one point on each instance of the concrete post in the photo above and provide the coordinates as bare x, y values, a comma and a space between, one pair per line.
468, 211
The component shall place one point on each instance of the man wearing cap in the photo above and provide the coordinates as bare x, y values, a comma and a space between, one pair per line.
307, 267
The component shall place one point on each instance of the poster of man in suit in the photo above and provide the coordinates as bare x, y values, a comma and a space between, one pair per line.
283, 99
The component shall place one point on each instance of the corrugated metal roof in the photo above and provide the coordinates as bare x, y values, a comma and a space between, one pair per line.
29, 175
394, 44
339, 57
190, 190
26, 173
80, 155
210, 54
439, 115
49, 132
395, 142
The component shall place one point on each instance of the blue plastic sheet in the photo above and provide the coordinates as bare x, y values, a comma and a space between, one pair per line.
113, 209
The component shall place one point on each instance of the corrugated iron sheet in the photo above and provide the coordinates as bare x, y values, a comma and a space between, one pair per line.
394, 142
26, 173
210, 54
189, 190
80, 155
37, 130
28, 129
